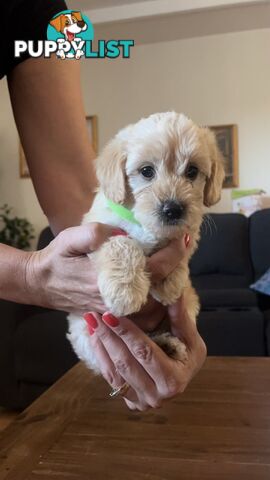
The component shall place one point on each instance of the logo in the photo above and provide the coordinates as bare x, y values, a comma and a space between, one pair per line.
70, 34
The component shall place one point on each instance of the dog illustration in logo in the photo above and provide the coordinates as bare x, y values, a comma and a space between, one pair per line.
69, 24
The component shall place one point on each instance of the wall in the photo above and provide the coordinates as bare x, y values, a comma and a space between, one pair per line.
18, 193
215, 80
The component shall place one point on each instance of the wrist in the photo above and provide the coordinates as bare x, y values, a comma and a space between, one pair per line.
38, 269
33, 287
13, 266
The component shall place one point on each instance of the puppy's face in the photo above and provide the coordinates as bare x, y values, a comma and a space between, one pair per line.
166, 169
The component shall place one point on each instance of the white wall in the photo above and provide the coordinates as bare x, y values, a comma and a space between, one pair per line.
18, 193
215, 80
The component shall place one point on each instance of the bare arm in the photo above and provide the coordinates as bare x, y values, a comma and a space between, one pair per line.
12, 274
60, 276
48, 109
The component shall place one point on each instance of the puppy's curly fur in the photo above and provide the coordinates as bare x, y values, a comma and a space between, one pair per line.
166, 170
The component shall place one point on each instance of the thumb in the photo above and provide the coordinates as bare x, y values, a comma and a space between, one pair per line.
182, 326
164, 262
85, 238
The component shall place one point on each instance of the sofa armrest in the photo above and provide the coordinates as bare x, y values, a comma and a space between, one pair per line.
10, 315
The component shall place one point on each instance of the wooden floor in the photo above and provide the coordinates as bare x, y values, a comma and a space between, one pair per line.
6, 418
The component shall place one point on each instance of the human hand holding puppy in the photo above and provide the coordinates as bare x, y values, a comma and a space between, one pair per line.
125, 352
126, 355
62, 277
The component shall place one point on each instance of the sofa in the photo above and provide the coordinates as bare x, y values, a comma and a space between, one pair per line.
233, 252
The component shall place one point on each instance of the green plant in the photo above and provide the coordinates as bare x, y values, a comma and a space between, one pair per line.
14, 231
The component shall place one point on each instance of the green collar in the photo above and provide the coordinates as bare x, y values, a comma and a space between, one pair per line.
122, 212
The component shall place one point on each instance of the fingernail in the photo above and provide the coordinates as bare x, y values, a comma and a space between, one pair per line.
187, 240
118, 231
110, 320
91, 322
90, 330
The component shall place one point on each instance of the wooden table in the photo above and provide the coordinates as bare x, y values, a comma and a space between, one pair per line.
218, 429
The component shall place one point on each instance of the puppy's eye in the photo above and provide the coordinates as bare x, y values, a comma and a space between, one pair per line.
148, 172
191, 172
67, 22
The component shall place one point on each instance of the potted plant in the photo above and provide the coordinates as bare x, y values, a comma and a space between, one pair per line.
14, 231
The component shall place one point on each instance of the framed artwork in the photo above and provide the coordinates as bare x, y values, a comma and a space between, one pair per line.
91, 122
227, 139
24, 171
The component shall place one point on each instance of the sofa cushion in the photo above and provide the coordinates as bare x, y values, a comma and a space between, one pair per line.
233, 332
215, 281
259, 230
224, 250
234, 298
11, 314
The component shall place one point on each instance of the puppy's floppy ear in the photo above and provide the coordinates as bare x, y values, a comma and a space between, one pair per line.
110, 169
213, 185
57, 22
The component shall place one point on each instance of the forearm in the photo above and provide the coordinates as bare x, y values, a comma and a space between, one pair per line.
59, 277
13, 265
48, 109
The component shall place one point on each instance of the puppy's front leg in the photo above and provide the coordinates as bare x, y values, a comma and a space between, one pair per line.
122, 279
170, 289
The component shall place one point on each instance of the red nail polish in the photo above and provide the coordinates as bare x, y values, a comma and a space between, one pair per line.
90, 330
187, 240
110, 320
118, 231
91, 321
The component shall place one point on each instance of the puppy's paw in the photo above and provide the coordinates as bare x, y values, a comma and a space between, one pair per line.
125, 301
79, 338
166, 293
122, 280
169, 290
171, 345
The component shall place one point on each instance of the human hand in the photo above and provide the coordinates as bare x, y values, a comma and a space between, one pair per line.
126, 354
62, 276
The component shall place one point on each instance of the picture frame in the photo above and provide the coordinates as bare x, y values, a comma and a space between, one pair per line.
23, 167
92, 128
227, 139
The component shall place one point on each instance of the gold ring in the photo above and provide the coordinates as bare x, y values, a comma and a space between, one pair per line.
119, 390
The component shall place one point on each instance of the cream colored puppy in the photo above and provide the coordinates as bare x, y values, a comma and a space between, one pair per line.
155, 179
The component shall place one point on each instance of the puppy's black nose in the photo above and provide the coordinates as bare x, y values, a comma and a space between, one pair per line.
172, 211
81, 23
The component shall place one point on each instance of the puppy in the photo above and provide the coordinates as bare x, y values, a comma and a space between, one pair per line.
69, 25
155, 177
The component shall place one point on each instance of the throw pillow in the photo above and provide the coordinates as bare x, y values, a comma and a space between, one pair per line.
263, 284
